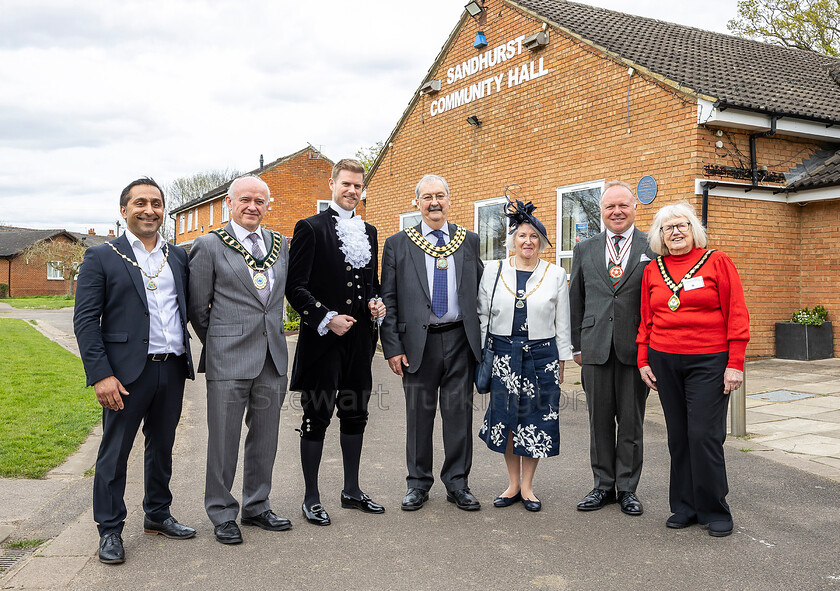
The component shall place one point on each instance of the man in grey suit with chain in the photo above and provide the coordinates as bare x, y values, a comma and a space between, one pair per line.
430, 336
605, 294
237, 282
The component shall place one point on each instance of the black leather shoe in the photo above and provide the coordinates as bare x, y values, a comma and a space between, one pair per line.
630, 504
111, 549
463, 499
316, 514
363, 504
414, 499
268, 521
532, 506
228, 533
596, 499
507, 501
169, 528
720, 529
679, 521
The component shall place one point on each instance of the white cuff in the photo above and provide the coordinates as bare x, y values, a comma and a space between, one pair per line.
322, 328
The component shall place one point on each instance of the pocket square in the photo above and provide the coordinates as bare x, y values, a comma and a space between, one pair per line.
644, 258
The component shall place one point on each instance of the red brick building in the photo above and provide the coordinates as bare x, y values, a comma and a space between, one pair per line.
566, 96
299, 188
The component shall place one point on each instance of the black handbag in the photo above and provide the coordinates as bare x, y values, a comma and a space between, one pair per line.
484, 370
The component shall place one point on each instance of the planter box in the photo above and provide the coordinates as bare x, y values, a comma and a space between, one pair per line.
803, 342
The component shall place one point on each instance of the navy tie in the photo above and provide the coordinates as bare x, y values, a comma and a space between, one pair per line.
440, 295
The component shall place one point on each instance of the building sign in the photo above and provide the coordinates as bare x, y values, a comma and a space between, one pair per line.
646, 189
518, 74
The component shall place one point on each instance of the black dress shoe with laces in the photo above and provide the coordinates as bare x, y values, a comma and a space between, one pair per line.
267, 520
228, 533
363, 504
597, 498
316, 514
169, 528
111, 549
414, 499
463, 499
630, 504
507, 501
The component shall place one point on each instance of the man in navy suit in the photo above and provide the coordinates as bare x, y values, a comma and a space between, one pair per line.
131, 325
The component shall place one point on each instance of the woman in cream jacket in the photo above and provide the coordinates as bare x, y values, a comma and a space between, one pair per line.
530, 338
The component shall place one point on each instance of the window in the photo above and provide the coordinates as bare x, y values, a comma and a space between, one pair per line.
410, 219
491, 227
181, 224
322, 205
225, 210
210, 223
578, 217
189, 221
54, 271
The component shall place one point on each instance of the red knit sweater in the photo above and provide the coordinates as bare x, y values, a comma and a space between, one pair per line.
710, 319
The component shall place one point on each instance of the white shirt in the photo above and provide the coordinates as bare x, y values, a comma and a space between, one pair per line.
453, 310
342, 213
610, 247
241, 234
166, 335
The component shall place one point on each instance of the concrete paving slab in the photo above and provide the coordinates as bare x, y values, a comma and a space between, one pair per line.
756, 417
795, 409
830, 387
808, 377
834, 434
5, 532
789, 427
756, 402
815, 445
22, 497
826, 401
827, 461
47, 572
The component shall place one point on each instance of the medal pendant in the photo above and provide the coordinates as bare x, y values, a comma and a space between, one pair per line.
674, 303
520, 304
151, 285
442, 263
260, 280
616, 272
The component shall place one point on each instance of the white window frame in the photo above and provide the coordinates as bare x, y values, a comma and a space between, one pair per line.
567, 254
181, 224
189, 221
53, 272
210, 224
484, 203
321, 205
409, 215
225, 210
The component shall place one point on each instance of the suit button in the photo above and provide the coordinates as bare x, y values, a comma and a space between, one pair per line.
145, 340
349, 268
349, 301
265, 333
610, 318
424, 327
357, 276
428, 306
360, 297
358, 287
349, 284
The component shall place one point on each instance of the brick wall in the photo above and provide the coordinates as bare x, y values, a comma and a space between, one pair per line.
820, 263
31, 279
571, 126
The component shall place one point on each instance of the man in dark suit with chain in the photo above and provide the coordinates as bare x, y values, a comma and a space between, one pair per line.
605, 293
130, 321
430, 336
333, 284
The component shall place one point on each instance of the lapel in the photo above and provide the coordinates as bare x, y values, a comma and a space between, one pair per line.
636, 249
419, 258
459, 257
597, 256
124, 247
240, 269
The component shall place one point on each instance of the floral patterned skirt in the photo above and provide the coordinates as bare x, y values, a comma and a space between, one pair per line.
524, 397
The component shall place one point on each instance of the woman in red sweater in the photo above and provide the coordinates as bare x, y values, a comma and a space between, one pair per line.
692, 338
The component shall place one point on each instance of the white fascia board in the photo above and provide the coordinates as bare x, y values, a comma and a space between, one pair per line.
766, 193
790, 126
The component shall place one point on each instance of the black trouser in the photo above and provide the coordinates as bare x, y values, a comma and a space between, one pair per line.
155, 399
691, 392
342, 383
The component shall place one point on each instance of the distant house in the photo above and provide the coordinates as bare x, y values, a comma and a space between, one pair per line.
36, 277
299, 188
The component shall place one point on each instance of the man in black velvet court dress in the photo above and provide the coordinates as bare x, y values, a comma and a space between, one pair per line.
333, 284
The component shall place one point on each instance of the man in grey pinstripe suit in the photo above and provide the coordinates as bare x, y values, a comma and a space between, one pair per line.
237, 281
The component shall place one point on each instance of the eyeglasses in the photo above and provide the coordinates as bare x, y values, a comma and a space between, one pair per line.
682, 227
433, 197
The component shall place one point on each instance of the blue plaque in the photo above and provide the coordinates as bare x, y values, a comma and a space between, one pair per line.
646, 189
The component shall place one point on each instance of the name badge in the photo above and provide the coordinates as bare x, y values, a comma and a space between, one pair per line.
693, 283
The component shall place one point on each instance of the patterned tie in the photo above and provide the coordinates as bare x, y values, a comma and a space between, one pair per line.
615, 280
257, 253
440, 296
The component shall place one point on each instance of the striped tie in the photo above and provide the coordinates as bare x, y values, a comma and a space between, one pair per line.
615, 280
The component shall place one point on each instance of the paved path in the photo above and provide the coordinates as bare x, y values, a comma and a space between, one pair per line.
787, 519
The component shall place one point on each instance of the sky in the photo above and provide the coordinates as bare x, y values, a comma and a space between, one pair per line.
96, 93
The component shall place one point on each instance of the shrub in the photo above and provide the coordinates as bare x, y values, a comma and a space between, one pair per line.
291, 325
4, 290
813, 317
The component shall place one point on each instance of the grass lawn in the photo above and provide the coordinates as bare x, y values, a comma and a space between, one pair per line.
45, 410
53, 302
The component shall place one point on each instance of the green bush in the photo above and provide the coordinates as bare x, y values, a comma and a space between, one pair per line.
813, 317
291, 314
4, 290
292, 325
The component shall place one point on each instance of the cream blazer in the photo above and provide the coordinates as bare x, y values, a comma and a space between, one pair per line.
548, 306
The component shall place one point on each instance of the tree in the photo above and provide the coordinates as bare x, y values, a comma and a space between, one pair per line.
812, 25
367, 156
187, 188
64, 256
